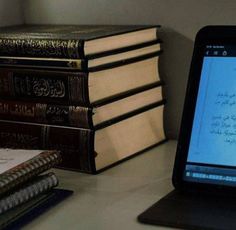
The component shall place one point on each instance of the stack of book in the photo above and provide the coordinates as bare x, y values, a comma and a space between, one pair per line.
21, 181
93, 92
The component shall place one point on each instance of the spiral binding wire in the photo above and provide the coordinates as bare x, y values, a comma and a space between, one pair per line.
27, 170
42, 184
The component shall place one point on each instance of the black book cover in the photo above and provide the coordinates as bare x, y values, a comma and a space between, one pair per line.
56, 40
74, 64
67, 32
61, 87
76, 144
61, 115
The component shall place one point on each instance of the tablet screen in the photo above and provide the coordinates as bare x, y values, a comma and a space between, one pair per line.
212, 149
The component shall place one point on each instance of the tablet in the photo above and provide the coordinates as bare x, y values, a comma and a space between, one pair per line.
204, 174
206, 152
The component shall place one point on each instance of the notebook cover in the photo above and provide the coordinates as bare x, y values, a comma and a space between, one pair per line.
19, 216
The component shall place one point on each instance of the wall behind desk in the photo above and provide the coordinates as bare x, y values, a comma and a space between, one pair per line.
11, 12
180, 21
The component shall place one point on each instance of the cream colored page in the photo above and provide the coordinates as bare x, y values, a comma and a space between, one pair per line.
10, 158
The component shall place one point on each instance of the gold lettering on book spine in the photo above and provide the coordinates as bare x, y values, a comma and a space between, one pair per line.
73, 48
29, 85
40, 112
18, 140
48, 88
40, 47
22, 110
79, 116
4, 108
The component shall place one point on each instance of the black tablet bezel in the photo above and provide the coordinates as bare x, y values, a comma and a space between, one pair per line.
217, 35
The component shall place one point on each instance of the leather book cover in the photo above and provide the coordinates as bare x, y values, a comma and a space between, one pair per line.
61, 115
59, 87
76, 144
56, 40
44, 86
68, 63
46, 113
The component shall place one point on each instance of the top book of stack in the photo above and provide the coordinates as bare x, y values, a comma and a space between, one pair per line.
74, 41
84, 65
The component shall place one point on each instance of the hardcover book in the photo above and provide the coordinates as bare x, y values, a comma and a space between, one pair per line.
71, 41
92, 92
92, 63
91, 150
78, 88
78, 116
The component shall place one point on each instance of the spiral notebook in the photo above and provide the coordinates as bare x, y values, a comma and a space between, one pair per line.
204, 174
23, 214
18, 166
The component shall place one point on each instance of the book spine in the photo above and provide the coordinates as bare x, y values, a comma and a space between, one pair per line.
54, 114
51, 48
23, 172
39, 186
62, 64
40, 86
76, 145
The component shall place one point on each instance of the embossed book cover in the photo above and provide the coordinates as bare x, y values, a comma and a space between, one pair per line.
70, 41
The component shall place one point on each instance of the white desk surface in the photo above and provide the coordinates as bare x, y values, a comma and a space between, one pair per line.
113, 199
